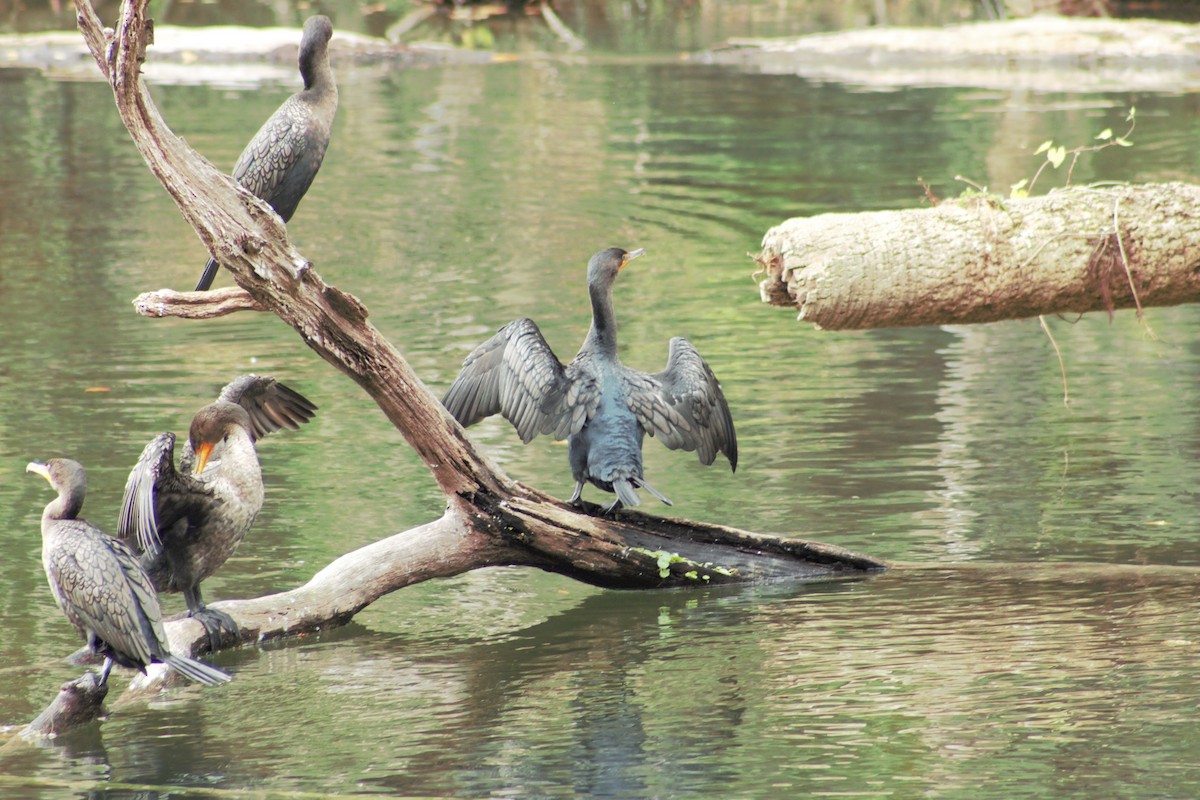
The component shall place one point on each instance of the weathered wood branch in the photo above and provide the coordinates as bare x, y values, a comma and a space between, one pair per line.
78, 702
490, 519
196, 305
984, 259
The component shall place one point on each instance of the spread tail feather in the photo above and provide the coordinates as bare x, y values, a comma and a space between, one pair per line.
625, 493
206, 277
196, 671
641, 482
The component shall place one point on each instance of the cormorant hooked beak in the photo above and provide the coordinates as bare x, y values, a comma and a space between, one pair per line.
38, 468
630, 256
202, 453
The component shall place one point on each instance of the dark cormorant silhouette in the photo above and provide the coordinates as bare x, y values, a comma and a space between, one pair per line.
100, 586
282, 159
187, 522
601, 406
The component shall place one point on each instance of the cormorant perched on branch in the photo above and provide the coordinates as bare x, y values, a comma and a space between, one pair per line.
601, 406
100, 586
282, 159
187, 522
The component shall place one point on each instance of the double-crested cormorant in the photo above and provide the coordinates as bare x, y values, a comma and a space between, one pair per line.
100, 586
186, 523
282, 159
600, 405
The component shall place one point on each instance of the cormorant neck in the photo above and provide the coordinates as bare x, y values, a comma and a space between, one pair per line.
603, 334
67, 505
314, 69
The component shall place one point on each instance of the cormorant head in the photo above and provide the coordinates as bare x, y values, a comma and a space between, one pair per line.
212, 424
66, 477
604, 266
314, 44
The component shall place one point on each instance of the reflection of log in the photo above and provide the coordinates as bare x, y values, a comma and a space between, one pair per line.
490, 519
985, 259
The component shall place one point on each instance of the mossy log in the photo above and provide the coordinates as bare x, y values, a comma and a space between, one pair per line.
984, 259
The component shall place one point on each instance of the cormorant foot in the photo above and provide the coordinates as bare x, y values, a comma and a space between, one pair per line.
220, 626
612, 508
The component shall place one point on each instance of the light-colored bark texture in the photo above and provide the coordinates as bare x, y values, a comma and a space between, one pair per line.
984, 258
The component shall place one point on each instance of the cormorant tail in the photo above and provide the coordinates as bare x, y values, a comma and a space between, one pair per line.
625, 493
206, 277
641, 482
196, 671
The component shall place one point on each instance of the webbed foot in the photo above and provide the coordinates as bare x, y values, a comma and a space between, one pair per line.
220, 627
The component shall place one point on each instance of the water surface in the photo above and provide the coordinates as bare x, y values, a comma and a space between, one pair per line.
457, 198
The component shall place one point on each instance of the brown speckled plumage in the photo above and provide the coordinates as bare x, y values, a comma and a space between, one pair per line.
186, 523
282, 159
100, 585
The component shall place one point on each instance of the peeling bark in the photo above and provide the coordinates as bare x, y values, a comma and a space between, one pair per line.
490, 519
985, 259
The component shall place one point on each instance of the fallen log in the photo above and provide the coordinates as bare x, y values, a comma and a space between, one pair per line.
983, 259
490, 519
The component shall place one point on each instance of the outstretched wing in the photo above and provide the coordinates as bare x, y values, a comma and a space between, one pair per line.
154, 484
271, 405
515, 373
683, 405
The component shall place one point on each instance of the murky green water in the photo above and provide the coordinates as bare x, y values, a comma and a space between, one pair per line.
455, 199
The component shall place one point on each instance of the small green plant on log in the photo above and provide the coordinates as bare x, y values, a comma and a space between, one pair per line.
1057, 154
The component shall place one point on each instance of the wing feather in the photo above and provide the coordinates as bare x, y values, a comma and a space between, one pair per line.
517, 375
94, 584
271, 405
153, 486
683, 405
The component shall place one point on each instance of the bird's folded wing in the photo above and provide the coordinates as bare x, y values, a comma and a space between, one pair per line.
683, 406
93, 586
264, 164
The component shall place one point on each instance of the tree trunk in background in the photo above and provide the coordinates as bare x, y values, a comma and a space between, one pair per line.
984, 259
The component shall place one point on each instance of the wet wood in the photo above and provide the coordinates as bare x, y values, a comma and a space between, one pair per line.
985, 259
78, 702
490, 519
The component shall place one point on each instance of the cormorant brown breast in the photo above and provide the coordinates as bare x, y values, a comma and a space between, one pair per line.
100, 586
601, 406
282, 159
187, 522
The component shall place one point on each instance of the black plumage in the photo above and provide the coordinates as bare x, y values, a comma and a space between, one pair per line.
282, 159
601, 406
186, 523
101, 587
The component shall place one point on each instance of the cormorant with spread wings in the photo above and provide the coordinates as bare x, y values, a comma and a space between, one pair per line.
602, 407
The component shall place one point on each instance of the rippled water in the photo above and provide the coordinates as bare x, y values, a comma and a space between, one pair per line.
457, 198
